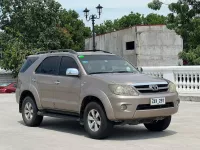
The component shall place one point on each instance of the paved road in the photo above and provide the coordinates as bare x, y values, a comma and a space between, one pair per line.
58, 134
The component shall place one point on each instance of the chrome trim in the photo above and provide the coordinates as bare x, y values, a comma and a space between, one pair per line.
143, 89
140, 89
149, 89
163, 88
149, 83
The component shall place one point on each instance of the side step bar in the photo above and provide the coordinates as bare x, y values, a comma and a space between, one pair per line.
59, 115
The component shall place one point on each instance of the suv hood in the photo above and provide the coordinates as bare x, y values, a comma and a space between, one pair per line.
129, 78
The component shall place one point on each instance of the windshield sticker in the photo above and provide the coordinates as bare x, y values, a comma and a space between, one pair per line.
81, 56
85, 62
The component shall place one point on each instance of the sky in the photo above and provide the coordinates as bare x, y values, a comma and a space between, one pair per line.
113, 9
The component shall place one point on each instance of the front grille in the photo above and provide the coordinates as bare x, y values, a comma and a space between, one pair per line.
150, 91
147, 89
148, 106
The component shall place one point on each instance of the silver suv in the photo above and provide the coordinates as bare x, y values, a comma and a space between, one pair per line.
97, 88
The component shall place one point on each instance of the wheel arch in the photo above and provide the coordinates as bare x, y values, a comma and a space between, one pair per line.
86, 101
104, 103
22, 96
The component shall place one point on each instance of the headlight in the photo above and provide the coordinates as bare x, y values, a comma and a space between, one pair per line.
124, 90
172, 87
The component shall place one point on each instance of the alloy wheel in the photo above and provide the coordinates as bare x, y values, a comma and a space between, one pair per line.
28, 111
94, 120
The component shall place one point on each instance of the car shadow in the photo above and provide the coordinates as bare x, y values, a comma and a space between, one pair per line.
127, 132
61, 125
138, 132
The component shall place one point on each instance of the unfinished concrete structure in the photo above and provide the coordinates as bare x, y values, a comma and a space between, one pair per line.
6, 76
153, 45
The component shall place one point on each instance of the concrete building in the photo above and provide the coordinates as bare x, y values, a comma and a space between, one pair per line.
153, 45
6, 76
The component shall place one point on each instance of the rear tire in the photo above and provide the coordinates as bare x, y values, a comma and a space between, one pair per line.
160, 125
96, 123
29, 113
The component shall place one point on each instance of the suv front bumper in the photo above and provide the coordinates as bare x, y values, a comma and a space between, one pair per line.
138, 107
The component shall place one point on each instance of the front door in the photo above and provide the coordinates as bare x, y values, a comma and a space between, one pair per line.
67, 93
45, 77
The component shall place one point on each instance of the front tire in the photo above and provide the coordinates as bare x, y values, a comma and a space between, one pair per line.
29, 113
96, 123
160, 125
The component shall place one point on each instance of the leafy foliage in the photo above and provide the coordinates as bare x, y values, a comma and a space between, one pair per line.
152, 19
14, 54
192, 56
37, 24
75, 28
155, 4
129, 21
32, 18
185, 20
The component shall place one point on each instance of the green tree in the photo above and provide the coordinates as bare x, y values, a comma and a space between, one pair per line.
14, 53
184, 18
40, 25
129, 21
36, 20
70, 23
155, 4
152, 19
106, 27
192, 56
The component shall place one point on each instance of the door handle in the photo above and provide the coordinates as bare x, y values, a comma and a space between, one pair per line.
57, 82
34, 80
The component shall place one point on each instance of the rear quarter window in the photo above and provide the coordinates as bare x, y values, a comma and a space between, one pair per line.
28, 63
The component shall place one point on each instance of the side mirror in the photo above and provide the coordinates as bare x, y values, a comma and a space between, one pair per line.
72, 72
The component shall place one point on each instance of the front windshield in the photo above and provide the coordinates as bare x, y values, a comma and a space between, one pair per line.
99, 64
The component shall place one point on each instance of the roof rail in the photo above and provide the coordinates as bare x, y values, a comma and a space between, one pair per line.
59, 50
97, 51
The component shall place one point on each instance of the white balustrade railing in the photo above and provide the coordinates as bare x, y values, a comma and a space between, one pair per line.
186, 78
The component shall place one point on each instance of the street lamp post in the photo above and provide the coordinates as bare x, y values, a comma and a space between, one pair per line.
93, 17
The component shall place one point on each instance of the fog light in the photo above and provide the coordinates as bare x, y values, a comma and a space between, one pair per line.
123, 107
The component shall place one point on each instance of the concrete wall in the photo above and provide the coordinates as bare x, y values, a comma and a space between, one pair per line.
154, 45
115, 42
158, 46
6, 77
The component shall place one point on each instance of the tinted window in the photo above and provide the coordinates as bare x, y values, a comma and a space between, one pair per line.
28, 63
49, 66
67, 62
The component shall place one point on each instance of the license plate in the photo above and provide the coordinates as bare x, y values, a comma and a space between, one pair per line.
158, 101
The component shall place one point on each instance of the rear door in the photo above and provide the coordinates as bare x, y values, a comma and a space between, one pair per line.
46, 75
23, 79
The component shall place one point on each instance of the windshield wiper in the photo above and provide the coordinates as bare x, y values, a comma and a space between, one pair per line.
110, 72
99, 72
122, 72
